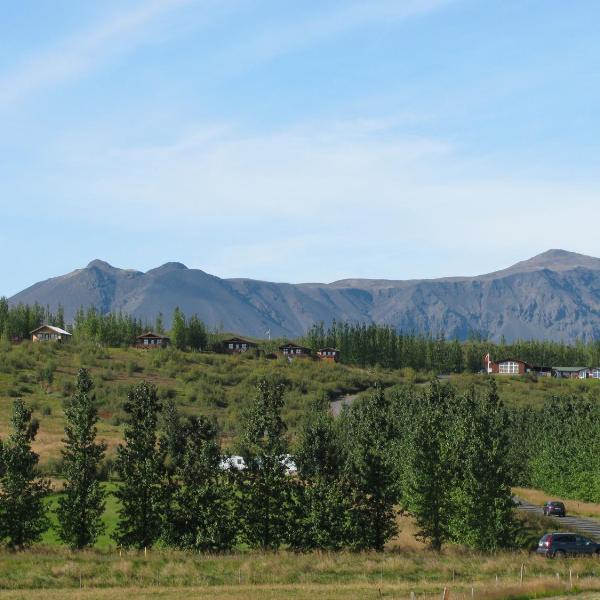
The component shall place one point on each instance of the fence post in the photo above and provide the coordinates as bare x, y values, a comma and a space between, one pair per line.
522, 569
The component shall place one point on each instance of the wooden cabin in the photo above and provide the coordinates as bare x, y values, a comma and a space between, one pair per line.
506, 366
236, 345
151, 340
329, 354
291, 350
49, 333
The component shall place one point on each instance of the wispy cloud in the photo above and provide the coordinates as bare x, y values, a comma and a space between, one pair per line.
263, 46
83, 51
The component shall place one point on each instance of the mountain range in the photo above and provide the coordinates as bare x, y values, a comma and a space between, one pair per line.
555, 295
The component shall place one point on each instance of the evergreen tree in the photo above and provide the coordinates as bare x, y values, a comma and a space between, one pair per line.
23, 517
430, 473
140, 464
80, 508
263, 485
179, 330
199, 515
370, 472
321, 502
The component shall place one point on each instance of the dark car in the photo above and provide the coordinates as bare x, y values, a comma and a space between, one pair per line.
559, 545
555, 509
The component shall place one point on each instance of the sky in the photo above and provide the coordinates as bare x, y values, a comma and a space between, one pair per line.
297, 141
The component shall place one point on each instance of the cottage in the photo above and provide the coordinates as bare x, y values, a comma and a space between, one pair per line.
291, 350
329, 354
151, 340
237, 345
571, 372
595, 373
49, 333
506, 366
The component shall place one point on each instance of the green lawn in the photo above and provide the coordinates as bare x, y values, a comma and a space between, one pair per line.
109, 518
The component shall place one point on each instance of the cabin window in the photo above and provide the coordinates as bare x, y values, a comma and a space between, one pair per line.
243, 346
509, 367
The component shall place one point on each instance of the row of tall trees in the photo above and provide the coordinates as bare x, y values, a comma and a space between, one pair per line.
371, 345
440, 456
557, 447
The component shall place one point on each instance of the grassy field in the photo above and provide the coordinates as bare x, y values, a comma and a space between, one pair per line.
169, 574
219, 386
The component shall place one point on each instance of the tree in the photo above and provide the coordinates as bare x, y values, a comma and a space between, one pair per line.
196, 333
199, 515
179, 330
430, 473
159, 325
23, 515
140, 463
321, 502
80, 509
263, 486
370, 472
483, 506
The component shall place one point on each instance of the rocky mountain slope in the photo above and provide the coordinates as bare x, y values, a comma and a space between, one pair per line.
555, 295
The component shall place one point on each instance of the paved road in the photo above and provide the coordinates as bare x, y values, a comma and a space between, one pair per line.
584, 525
336, 405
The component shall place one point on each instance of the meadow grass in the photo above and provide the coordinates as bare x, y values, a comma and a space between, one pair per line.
59, 573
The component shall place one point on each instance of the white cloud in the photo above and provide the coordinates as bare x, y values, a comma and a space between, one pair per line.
266, 45
83, 51
370, 197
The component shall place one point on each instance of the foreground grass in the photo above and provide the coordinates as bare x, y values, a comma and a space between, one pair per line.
58, 573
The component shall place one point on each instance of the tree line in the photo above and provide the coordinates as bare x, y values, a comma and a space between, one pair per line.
365, 345
557, 447
369, 345
436, 454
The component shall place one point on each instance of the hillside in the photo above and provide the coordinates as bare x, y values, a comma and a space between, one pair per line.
555, 295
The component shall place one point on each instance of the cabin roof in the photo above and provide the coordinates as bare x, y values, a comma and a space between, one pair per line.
328, 350
570, 369
52, 328
151, 334
238, 340
292, 345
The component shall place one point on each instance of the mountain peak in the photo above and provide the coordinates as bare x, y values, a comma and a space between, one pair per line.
556, 260
167, 267
99, 264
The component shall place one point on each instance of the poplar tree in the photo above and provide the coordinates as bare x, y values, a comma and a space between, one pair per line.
370, 472
321, 503
263, 485
199, 514
140, 464
80, 508
23, 515
484, 509
429, 472
179, 334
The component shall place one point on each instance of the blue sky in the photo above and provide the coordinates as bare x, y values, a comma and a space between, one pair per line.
297, 141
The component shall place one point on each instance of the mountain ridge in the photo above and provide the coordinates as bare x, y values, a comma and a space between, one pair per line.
553, 295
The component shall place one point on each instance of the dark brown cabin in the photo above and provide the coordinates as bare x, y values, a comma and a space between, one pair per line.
329, 354
151, 340
236, 345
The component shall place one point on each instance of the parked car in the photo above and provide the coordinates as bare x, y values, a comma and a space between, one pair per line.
555, 509
559, 545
